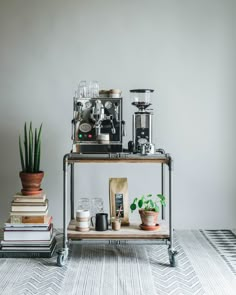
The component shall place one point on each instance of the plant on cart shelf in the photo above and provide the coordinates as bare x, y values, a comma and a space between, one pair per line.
148, 209
30, 153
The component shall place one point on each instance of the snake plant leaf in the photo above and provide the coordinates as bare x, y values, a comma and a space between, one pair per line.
38, 159
35, 149
30, 148
26, 148
38, 149
21, 155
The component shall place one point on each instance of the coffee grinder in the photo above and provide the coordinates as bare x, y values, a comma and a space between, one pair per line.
142, 122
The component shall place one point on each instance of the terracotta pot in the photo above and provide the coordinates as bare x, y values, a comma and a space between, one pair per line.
31, 183
149, 218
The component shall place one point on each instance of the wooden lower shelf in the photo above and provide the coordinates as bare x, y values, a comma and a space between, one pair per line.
131, 232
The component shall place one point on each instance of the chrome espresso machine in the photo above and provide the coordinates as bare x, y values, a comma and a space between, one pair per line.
97, 125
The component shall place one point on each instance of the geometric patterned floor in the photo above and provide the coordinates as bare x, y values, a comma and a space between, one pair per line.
178, 280
209, 254
223, 241
206, 265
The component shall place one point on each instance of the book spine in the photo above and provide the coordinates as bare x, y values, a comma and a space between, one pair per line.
39, 196
23, 200
28, 208
19, 204
29, 213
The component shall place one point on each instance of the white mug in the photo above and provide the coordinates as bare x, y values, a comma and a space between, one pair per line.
83, 224
82, 215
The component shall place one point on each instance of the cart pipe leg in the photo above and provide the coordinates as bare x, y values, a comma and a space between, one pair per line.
65, 166
170, 203
162, 190
72, 211
162, 151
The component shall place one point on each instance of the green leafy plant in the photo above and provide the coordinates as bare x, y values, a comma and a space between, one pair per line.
30, 155
148, 202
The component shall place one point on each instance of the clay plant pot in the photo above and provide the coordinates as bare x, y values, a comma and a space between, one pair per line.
31, 183
149, 218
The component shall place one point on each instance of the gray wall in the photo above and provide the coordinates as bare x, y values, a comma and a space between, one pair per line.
183, 49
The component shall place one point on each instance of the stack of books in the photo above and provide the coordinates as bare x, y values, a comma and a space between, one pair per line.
29, 230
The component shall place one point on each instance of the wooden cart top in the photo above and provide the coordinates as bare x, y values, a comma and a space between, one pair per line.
117, 158
130, 232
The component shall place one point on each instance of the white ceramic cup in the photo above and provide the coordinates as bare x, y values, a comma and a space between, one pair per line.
83, 224
82, 215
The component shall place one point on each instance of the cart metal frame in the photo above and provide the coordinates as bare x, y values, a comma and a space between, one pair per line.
160, 157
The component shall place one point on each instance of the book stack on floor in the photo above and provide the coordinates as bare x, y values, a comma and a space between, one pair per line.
29, 230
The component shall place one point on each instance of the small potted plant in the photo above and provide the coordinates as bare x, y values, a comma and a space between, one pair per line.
31, 176
148, 209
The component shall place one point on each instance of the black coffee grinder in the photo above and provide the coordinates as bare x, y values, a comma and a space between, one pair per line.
142, 122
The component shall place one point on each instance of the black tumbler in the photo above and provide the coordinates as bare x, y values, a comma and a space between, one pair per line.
101, 222
131, 146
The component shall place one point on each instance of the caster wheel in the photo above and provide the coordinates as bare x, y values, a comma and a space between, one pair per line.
61, 258
172, 257
172, 261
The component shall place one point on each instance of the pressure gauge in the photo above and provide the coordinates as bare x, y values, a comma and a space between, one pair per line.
85, 127
108, 104
88, 105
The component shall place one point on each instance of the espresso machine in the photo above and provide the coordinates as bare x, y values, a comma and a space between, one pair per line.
97, 125
142, 122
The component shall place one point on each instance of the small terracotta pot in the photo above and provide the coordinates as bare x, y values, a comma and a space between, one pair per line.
31, 183
149, 218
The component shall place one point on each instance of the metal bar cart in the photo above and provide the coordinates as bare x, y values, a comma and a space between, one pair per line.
128, 233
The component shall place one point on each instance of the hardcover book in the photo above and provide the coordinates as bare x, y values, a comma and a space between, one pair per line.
27, 235
29, 213
29, 208
28, 243
28, 219
43, 248
27, 254
47, 221
34, 199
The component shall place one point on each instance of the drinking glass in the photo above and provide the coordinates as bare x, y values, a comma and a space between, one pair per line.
96, 206
83, 204
83, 89
93, 89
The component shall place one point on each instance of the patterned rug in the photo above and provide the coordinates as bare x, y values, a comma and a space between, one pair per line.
206, 265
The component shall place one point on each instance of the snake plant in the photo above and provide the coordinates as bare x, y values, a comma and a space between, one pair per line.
30, 155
